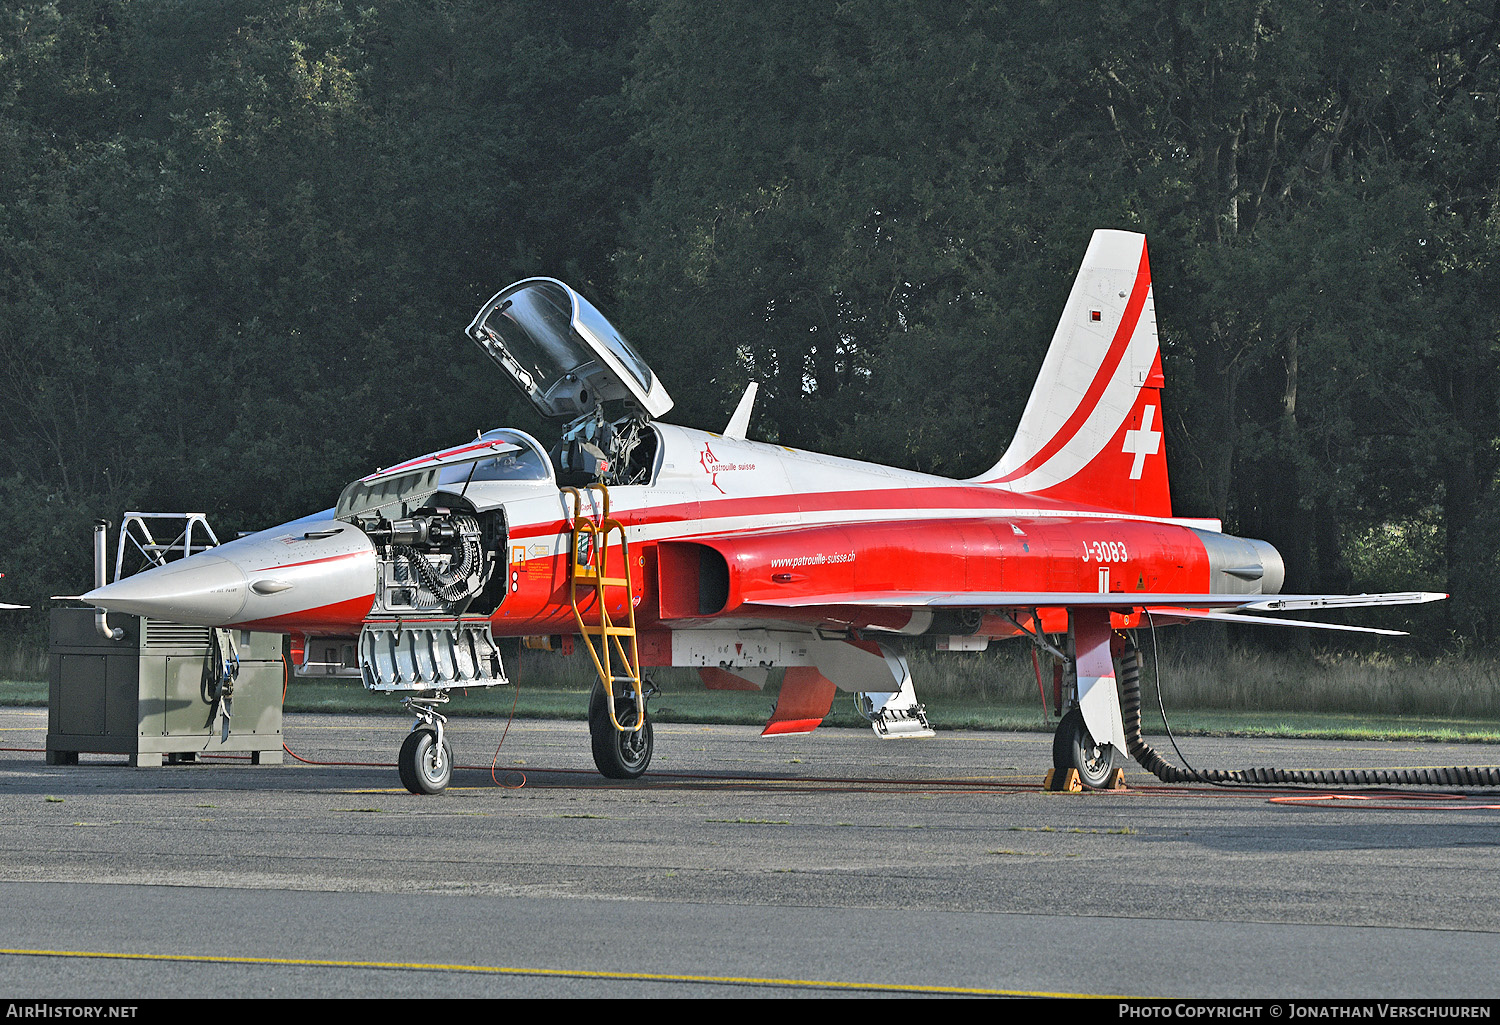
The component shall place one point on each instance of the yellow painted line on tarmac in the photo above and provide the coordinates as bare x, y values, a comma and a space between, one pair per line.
563, 973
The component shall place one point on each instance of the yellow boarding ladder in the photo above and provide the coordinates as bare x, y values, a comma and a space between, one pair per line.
587, 572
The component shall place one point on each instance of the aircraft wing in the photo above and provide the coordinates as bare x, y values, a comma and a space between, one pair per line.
1230, 608
7, 605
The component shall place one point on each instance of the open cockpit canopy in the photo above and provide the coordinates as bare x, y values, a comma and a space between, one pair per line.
562, 352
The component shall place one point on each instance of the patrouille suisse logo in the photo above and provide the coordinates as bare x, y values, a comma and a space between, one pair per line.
713, 467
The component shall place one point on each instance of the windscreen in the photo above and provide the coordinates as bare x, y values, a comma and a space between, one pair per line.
526, 464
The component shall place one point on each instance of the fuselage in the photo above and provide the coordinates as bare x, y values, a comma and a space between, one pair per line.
722, 531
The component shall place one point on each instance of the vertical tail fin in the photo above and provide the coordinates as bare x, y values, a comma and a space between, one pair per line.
1092, 430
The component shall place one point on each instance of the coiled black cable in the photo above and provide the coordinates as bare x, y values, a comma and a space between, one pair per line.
1146, 755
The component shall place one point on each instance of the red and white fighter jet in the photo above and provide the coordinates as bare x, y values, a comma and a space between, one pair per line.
660, 545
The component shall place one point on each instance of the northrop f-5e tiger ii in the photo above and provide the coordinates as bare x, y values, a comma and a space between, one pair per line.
658, 545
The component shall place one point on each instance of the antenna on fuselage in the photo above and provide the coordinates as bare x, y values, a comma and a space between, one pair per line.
739, 423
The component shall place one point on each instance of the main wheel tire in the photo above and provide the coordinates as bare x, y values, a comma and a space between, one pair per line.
1073, 747
619, 754
425, 767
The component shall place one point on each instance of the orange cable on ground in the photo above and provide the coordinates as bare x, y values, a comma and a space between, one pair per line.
1366, 802
510, 719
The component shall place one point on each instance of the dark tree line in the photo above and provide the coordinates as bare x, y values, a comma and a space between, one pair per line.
238, 243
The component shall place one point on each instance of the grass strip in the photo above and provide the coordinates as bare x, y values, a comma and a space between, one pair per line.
944, 711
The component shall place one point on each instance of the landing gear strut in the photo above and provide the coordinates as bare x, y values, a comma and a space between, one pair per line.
623, 753
1088, 682
1073, 747
426, 760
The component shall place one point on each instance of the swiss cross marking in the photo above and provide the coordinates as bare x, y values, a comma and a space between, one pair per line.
1142, 443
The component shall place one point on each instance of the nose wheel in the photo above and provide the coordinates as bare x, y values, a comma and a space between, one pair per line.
425, 763
1073, 747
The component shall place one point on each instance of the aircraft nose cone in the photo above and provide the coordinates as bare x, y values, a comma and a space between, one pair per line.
204, 590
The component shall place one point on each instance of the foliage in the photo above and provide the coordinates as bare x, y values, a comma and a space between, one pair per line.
238, 242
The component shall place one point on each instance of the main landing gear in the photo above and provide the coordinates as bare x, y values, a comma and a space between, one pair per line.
599, 573
1085, 677
1073, 747
623, 753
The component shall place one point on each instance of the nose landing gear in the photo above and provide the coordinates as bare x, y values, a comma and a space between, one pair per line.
425, 763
